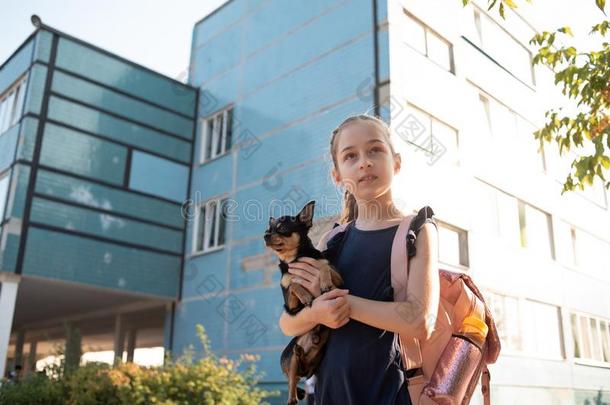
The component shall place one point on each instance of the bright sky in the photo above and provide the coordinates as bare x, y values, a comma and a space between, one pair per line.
157, 33
153, 33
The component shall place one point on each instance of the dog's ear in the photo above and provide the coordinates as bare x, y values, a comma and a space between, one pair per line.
272, 221
306, 214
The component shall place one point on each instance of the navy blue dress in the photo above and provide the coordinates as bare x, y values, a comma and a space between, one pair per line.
362, 364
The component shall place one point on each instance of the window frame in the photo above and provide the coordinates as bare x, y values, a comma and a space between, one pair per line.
579, 332
430, 119
464, 254
516, 138
427, 31
481, 13
12, 113
5, 176
521, 323
218, 141
219, 211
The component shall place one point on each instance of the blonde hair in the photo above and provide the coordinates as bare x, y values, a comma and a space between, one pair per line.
350, 207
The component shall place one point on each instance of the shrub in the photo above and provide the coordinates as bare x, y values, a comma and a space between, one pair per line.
209, 380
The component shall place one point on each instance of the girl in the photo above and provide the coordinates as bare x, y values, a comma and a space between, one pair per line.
362, 363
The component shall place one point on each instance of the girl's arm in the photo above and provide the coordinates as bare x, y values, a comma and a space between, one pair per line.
330, 309
298, 324
417, 315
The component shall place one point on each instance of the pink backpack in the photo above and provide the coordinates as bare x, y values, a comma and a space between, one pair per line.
445, 368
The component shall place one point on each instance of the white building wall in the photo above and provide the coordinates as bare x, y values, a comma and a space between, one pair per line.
467, 197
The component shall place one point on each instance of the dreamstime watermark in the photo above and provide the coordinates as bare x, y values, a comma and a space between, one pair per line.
293, 201
231, 308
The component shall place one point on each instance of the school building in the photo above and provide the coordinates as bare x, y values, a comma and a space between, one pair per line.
134, 206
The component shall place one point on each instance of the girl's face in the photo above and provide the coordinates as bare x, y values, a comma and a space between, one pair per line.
362, 152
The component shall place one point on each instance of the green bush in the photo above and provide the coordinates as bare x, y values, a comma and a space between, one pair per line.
209, 380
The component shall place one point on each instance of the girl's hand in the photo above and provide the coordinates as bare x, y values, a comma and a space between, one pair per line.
307, 272
331, 308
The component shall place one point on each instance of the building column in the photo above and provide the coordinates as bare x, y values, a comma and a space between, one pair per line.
19, 343
8, 295
32, 357
119, 339
131, 344
168, 330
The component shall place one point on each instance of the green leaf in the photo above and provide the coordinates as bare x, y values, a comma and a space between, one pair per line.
566, 30
502, 10
601, 4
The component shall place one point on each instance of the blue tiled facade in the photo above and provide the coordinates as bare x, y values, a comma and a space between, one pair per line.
95, 169
291, 70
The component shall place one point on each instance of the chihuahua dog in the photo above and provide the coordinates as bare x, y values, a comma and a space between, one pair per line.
287, 236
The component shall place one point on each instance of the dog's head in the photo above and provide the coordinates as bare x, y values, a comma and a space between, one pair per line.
285, 234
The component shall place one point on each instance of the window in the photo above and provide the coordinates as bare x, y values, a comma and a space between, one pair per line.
216, 133
4, 180
536, 230
210, 224
502, 46
591, 337
565, 243
522, 225
527, 326
11, 105
541, 329
437, 140
425, 41
592, 253
453, 245
506, 317
511, 133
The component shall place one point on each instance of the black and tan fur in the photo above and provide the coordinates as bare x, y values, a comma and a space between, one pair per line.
287, 236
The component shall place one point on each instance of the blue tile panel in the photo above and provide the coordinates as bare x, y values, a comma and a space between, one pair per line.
72, 258
8, 251
75, 152
36, 84
27, 138
110, 199
19, 182
16, 66
42, 48
116, 73
99, 123
105, 225
158, 176
8, 143
109, 100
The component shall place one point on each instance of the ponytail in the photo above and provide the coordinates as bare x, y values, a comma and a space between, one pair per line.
350, 208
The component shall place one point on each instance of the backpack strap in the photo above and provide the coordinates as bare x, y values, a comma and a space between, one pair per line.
401, 254
322, 243
485, 379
